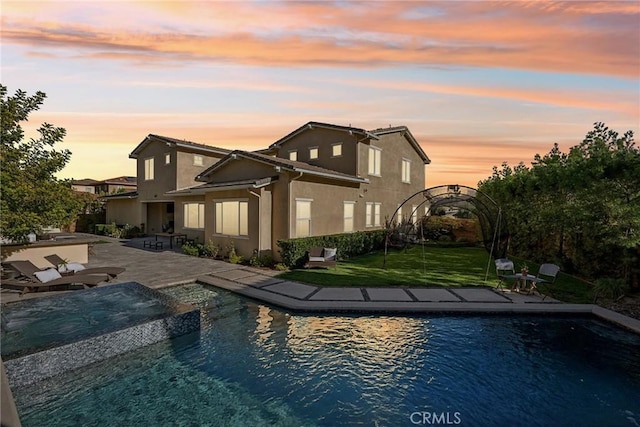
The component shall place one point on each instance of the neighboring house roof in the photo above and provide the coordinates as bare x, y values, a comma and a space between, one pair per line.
277, 162
205, 149
127, 195
121, 180
221, 186
86, 182
408, 135
310, 125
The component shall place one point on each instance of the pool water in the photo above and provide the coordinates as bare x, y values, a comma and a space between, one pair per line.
256, 365
36, 324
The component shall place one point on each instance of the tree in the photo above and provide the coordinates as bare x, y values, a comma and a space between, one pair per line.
580, 209
31, 197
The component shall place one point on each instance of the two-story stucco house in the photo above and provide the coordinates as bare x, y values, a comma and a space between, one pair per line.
319, 179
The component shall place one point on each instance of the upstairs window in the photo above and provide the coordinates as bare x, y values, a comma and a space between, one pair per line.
313, 153
194, 215
336, 150
293, 155
197, 160
375, 157
148, 169
406, 170
167, 158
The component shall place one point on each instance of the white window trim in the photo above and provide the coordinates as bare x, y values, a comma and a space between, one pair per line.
167, 158
149, 173
295, 154
317, 153
295, 225
215, 222
339, 144
184, 219
370, 213
407, 179
201, 160
352, 218
377, 168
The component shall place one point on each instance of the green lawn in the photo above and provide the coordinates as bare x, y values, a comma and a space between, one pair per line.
428, 266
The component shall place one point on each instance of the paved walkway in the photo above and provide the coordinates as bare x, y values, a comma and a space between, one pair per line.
161, 268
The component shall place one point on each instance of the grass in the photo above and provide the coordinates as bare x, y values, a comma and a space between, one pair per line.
430, 266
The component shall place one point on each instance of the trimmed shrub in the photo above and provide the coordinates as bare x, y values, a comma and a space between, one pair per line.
293, 251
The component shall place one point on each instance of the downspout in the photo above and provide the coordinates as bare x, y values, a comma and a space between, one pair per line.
291, 201
259, 220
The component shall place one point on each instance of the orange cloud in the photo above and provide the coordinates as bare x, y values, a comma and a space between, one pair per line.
544, 36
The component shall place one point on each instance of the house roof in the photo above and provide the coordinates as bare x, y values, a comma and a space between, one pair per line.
221, 186
311, 125
123, 180
127, 195
182, 143
407, 134
86, 181
283, 164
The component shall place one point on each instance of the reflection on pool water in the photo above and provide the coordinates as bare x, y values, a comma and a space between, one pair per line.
256, 365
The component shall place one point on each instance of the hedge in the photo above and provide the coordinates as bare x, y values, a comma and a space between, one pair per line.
293, 251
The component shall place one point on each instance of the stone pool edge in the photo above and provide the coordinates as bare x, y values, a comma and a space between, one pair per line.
414, 307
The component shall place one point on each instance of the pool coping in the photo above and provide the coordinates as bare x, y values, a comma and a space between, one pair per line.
294, 302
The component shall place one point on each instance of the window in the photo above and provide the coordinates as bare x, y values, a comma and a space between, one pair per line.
414, 214
303, 218
88, 189
194, 215
232, 217
167, 158
313, 153
373, 215
293, 155
399, 215
148, 169
348, 216
197, 160
406, 170
375, 156
336, 150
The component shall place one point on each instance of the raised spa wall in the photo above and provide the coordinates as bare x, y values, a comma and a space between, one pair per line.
181, 319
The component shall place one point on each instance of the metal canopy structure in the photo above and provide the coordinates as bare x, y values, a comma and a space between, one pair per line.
424, 203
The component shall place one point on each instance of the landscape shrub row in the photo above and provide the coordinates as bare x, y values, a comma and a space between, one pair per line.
293, 251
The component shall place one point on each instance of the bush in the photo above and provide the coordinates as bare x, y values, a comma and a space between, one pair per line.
293, 251
609, 289
189, 249
262, 260
209, 249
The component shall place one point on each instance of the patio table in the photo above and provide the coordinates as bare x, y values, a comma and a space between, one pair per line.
171, 236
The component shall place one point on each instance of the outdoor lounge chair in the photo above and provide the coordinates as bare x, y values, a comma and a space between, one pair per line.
51, 279
321, 257
78, 268
31, 272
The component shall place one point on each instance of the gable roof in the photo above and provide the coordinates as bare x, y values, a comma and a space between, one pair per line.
283, 164
121, 180
182, 143
408, 135
222, 186
127, 195
311, 125
86, 182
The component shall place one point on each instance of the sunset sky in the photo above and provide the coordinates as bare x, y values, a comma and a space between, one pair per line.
476, 82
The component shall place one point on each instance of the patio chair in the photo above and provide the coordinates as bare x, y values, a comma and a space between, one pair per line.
504, 269
47, 280
321, 257
76, 267
547, 274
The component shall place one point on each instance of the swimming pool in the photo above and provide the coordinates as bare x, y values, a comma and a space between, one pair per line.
255, 365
